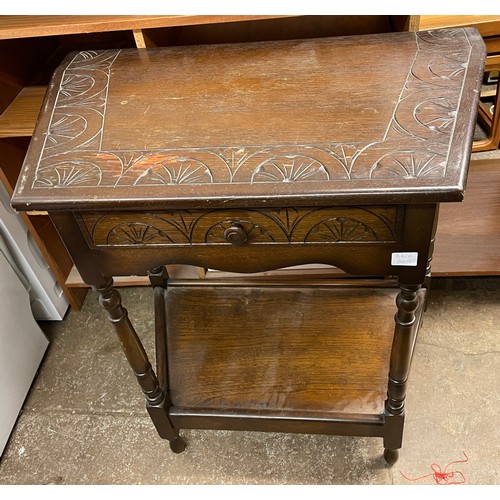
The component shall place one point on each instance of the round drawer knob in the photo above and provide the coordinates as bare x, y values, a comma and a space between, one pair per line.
235, 234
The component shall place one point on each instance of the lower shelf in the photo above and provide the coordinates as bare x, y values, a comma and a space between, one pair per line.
279, 352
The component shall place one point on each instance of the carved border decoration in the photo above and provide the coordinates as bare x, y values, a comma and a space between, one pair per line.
376, 224
416, 142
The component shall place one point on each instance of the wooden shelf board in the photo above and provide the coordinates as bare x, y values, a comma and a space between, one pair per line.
491, 92
484, 116
19, 119
468, 233
492, 44
74, 280
322, 357
486, 25
35, 26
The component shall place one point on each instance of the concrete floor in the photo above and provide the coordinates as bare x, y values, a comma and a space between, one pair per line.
84, 420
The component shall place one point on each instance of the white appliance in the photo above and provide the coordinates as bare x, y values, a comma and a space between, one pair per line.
28, 291
22, 346
46, 296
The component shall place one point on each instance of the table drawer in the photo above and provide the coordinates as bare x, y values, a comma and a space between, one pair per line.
332, 225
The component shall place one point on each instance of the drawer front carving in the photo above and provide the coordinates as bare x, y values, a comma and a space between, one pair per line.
337, 225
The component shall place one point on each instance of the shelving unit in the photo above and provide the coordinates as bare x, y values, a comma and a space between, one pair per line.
37, 26
32, 46
486, 25
23, 85
470, 231
19, 119
489, 27
468, 234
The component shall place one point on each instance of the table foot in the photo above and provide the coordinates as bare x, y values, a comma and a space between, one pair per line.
178, 445
391, 456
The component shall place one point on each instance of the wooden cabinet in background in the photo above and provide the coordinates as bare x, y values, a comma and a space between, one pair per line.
31, 47
468, 235
489, 28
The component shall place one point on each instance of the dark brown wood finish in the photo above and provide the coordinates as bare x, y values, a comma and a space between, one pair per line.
279, 225
260, 124
248, 158
340, 369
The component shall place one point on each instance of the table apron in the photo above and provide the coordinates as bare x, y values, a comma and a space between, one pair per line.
359, 240
356, 259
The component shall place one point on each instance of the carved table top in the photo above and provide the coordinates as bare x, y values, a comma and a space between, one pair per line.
366, 119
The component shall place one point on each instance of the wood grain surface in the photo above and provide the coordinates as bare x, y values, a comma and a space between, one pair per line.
468, 234
19, 119
260, 123
486, 25
234, 358
370, 224
35, 26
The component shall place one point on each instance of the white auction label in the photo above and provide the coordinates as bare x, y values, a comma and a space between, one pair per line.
404, 258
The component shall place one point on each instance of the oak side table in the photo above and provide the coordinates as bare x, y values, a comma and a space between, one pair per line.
252, 157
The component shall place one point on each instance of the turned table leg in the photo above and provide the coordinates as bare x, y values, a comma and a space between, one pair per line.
157, 402
159, 280
402, 348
